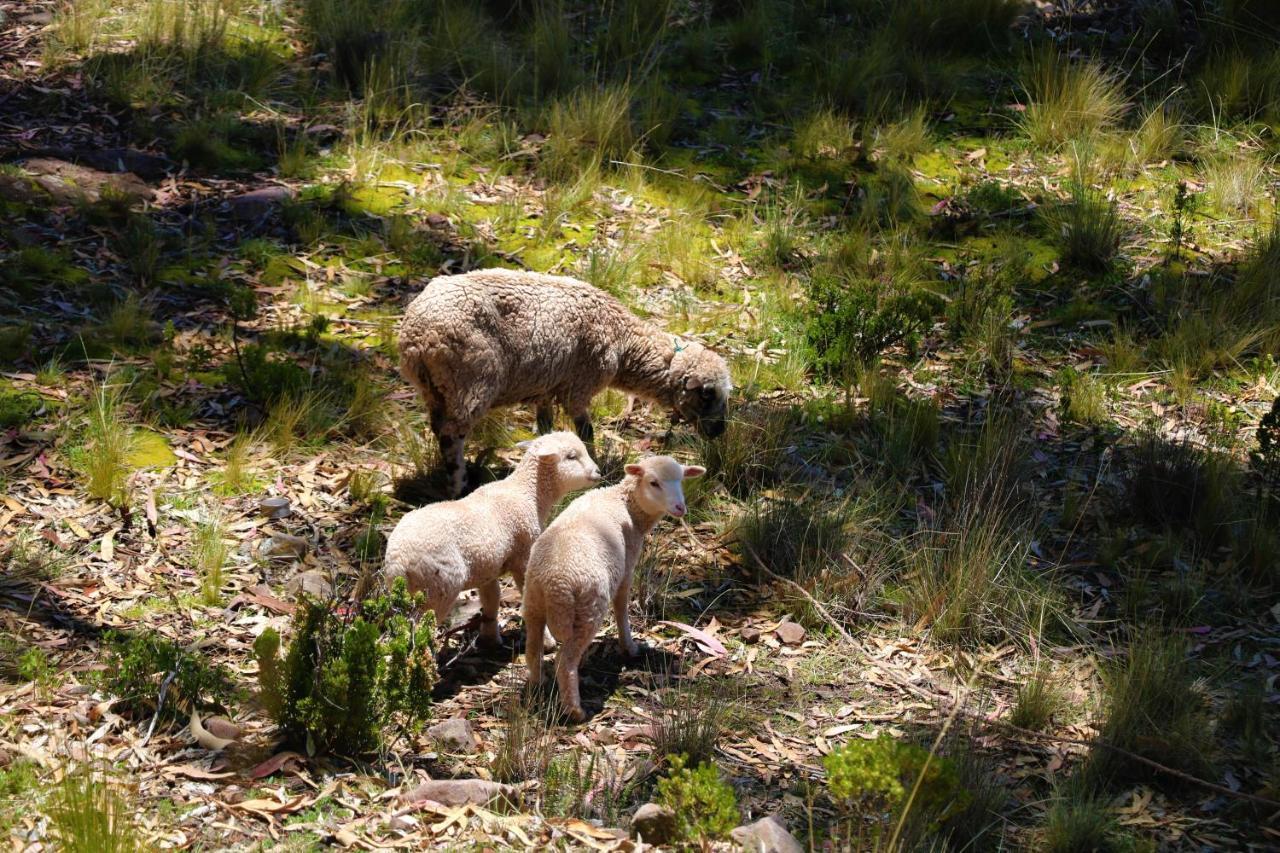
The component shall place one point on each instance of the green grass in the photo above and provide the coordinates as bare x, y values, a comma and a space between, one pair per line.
90, 814
1068, 100
209, 552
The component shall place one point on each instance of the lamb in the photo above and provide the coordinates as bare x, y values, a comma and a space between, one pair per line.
501, 337
583, 562
445, 548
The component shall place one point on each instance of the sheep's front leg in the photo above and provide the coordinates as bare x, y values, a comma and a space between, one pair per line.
489, 596
623, 618
452, 450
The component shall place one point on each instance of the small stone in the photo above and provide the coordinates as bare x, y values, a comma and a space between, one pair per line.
284, 546
258, 203
654, 824
750, 635
766, 835
790, 633
454, 735
462, 792
40, 18
437, 220
323, 133
313, 584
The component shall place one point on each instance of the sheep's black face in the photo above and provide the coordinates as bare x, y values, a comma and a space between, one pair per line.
705, 407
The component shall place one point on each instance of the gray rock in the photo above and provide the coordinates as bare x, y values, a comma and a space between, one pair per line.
280, 546
313, 584
654, 824
69, 182
454, 735
258, 203
461, 792
766, 835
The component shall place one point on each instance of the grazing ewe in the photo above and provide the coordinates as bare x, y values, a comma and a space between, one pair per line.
583, 562
445, 548
500, 337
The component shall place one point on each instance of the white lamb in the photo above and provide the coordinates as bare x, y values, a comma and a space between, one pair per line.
447, 547
583, 562
498, 337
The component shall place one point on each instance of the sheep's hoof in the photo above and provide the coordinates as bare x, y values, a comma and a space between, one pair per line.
631, 651
575, 715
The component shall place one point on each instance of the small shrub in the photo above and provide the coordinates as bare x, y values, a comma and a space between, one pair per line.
889, 780
706, 807
1154, 708
347, 677
88, 814
137, 667
689, 720
855, 319
1088, 226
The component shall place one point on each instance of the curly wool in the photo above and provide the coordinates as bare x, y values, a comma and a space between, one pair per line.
445, 548
581, 565
500, 337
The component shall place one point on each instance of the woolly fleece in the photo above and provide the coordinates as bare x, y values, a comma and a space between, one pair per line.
447, 547
501, 337
584, 561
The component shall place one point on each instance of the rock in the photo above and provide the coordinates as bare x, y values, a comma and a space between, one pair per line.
454, 735
324, 133
258, 203
750, 635
461, 792
68, 183
40, 18
766, 835
313, 584
790, 633
280, 546
437, 220
654, 824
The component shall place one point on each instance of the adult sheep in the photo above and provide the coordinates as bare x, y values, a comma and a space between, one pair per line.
501, 337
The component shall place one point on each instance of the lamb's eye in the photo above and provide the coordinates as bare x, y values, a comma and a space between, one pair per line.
655, 484
573, 454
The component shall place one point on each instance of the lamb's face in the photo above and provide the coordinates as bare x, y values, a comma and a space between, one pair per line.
703, 399
660, 489
573, 467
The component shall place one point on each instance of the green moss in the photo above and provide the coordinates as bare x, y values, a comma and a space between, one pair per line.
149, 449
374, 200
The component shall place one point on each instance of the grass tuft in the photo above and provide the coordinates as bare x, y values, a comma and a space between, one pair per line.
1068, 100
89, 814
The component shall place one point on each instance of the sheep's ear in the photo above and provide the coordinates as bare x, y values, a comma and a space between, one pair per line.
691, 383
546, 452
525, 445
691, 471
634, 470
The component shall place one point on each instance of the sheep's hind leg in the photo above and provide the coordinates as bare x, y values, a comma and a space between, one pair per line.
489, 634
586, 432
620, 615
534, 626
546, 418
567, 662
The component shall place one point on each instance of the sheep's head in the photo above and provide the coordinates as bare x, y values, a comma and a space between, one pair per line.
701, 387
564, 459
659, 484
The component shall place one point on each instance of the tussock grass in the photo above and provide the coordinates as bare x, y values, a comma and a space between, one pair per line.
209, 553
588, 128
588, 784
1235, 184
1159, 136
236, 477
1038, 701
1084, 399
824, 134
526, 744
689, 718
1176, 485
1088, 226
89, 814
1155, 707
751, 453
108, 441
1078, 821
903, 140
1068, 100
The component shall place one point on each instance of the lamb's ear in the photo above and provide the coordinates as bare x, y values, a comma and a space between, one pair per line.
634, 470
691, 383
691, 471
525, 445
547, 452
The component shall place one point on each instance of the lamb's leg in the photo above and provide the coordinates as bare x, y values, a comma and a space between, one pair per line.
489, 595
517, 574
546, 418
535, 623
567, 661
621, 616
452, 449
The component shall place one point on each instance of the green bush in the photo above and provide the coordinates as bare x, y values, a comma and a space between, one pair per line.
706, 807
344, 679
140, 668
855, 319
887, 779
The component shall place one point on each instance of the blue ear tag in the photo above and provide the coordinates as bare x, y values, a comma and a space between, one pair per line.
679, 346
